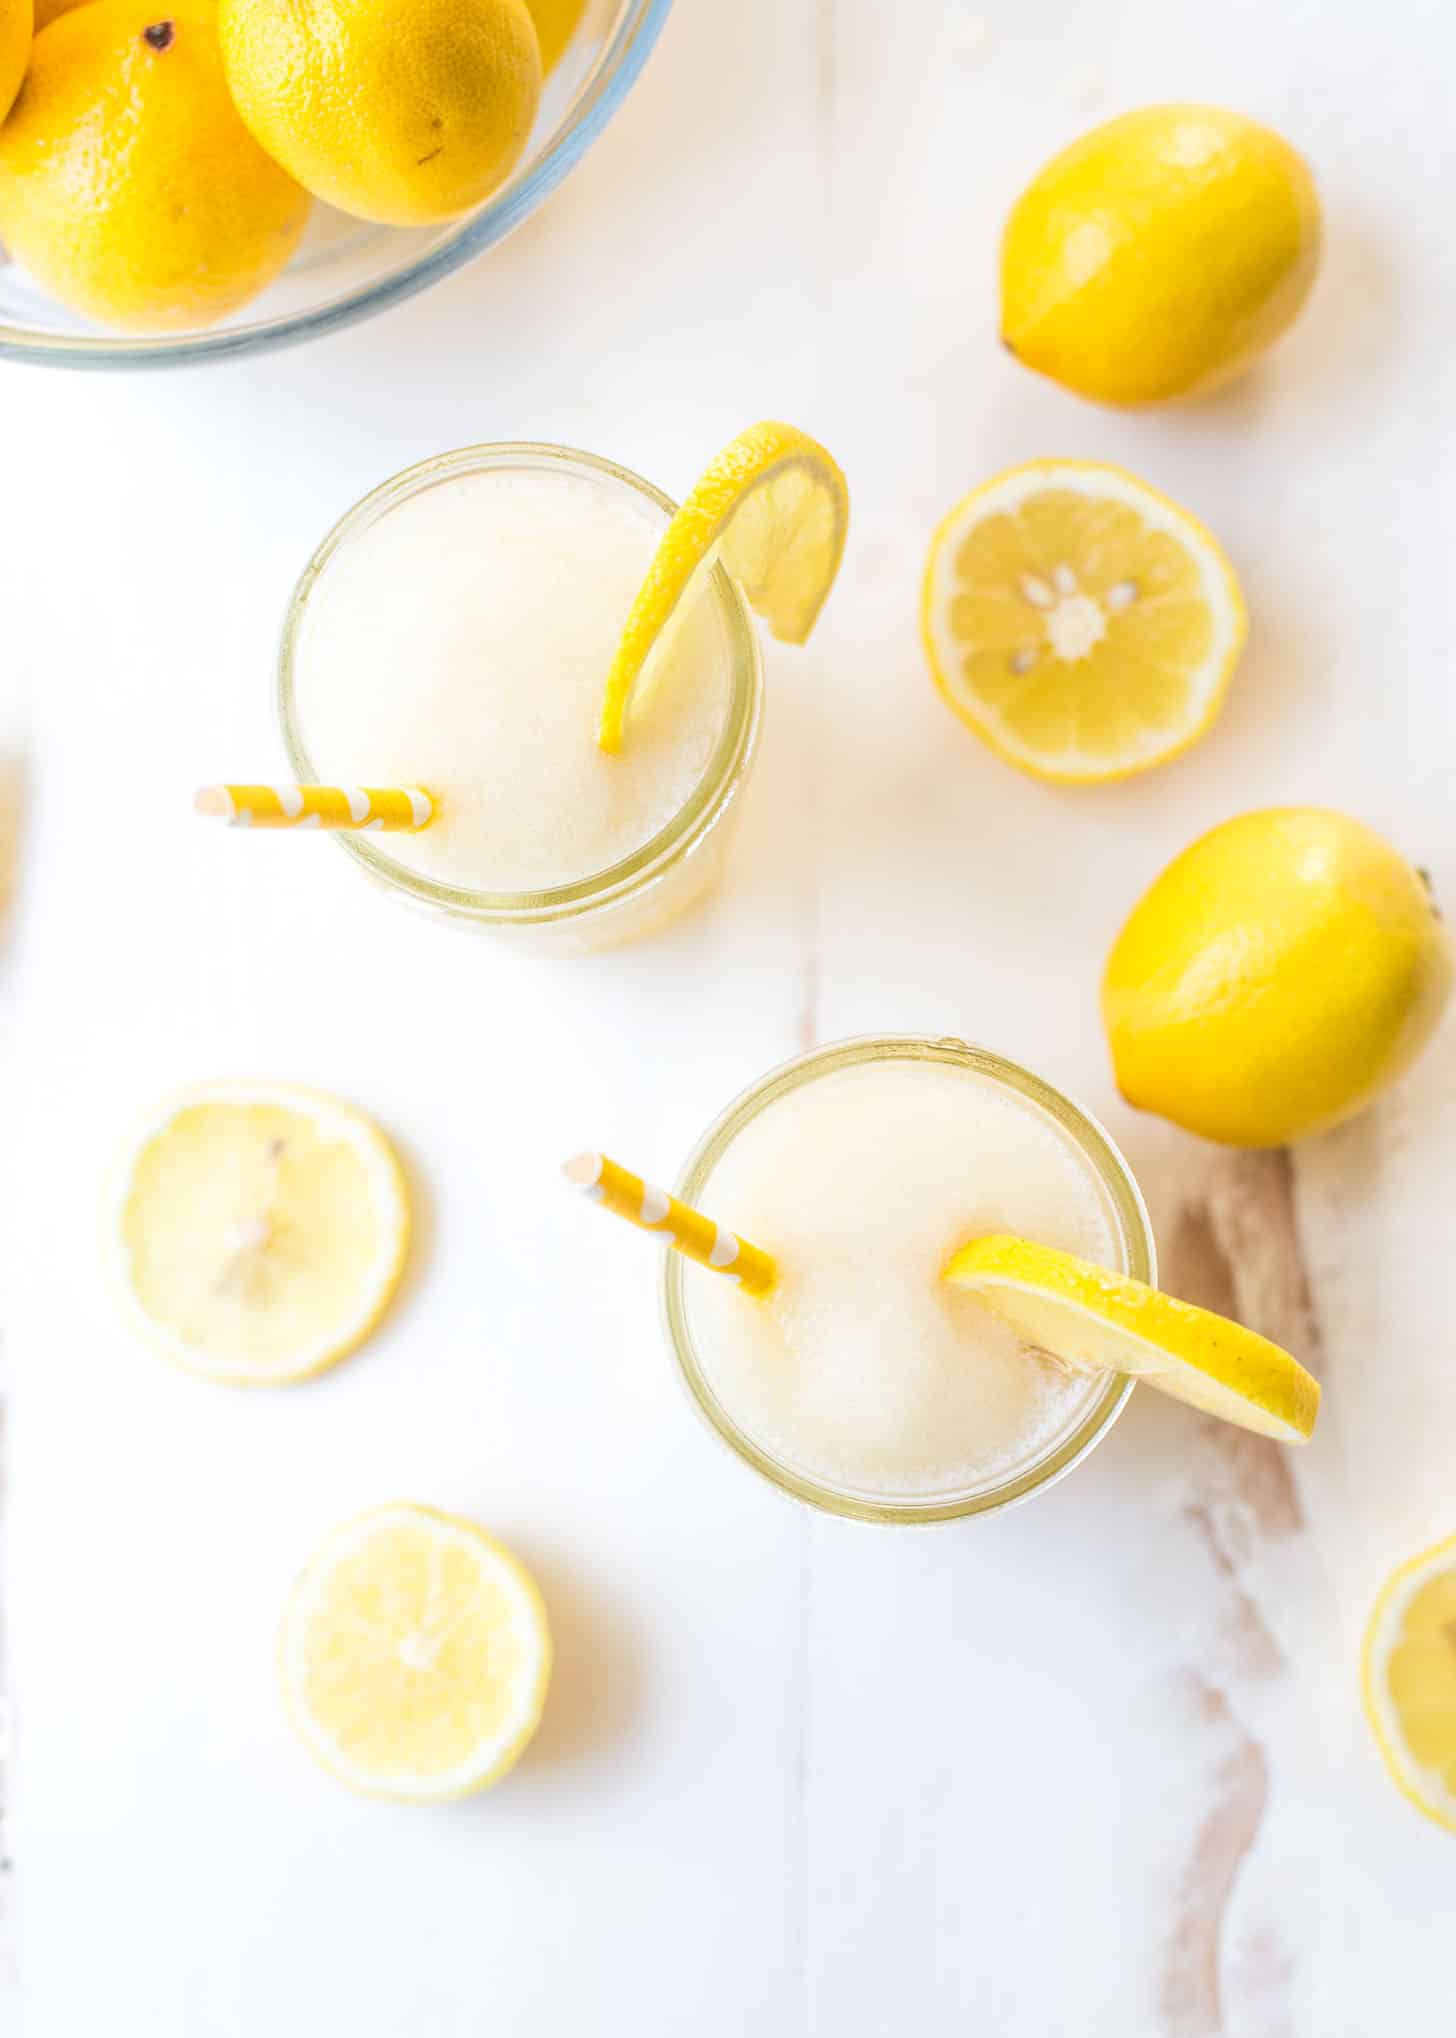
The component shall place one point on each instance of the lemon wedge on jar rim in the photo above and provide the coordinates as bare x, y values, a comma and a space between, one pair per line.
1410, 1680
415, 1656
1081, 623
1091, 1318
773, 509
257, 1231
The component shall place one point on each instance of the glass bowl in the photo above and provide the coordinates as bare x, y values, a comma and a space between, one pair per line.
346, 270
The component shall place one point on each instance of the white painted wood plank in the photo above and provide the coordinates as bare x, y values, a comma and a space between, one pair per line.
1057, 1781
167, 1824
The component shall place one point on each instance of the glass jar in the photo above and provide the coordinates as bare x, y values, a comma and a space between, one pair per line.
641, 892
1087, 1145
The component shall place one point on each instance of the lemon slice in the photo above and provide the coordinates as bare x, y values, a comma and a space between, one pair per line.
415, 1655
1410, 1679
1090, 1317
773, 507
259, 1231
1084, 626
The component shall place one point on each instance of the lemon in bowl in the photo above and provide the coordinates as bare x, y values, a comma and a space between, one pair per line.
128, 184
402, 112
1159, 255
17, 26
345, 270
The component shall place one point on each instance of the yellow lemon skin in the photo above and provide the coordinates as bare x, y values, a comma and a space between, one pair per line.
47, 11
128, 185
1278, 974
556, 23
17, 26
405, 112
1159, 255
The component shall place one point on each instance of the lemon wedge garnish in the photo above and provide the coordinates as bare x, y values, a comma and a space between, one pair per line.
1106, 1322
1084, 626
259, 1231
773, 509
1410, 1679
415, 1655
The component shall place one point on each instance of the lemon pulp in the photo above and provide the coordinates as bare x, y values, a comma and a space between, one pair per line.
415, 1655
260, 1231
1410, 1680
1083, 625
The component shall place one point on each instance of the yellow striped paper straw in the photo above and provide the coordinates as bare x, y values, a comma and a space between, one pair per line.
372, 809
652, 1209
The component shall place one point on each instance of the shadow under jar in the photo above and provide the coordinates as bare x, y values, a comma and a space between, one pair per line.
454, 632
863, 1384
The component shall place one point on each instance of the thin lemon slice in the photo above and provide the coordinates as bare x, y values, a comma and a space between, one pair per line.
1084, 626
259, 1231
1088, 1316
415, 1655
1410, 1679
773, 508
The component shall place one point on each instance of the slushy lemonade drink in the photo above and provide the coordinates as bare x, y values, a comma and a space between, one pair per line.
455, 633
863, 1381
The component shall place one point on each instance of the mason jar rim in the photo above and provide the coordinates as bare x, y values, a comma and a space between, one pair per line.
692, 822
1095, 1145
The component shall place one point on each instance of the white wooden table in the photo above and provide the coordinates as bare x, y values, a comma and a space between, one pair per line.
1095, 1767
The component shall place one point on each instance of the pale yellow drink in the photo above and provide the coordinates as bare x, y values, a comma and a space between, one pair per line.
863, 1382
455, 633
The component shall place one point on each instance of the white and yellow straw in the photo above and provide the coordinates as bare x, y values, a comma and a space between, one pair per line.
652, 1209
371, 809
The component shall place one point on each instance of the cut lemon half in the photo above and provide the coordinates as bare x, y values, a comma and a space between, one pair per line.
259, 1231
1082, 624
415, 1656
1089, 1317
773, 509
1410, 1680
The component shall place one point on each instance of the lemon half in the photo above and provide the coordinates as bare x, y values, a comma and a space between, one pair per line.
773, 507
1410, 1679
1081, 623
1106, 1322
259, 1231
415, 1656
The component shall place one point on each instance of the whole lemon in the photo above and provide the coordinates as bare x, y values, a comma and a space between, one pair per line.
1159, 255
17, 25
1278, 974
403, 111
128, 185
